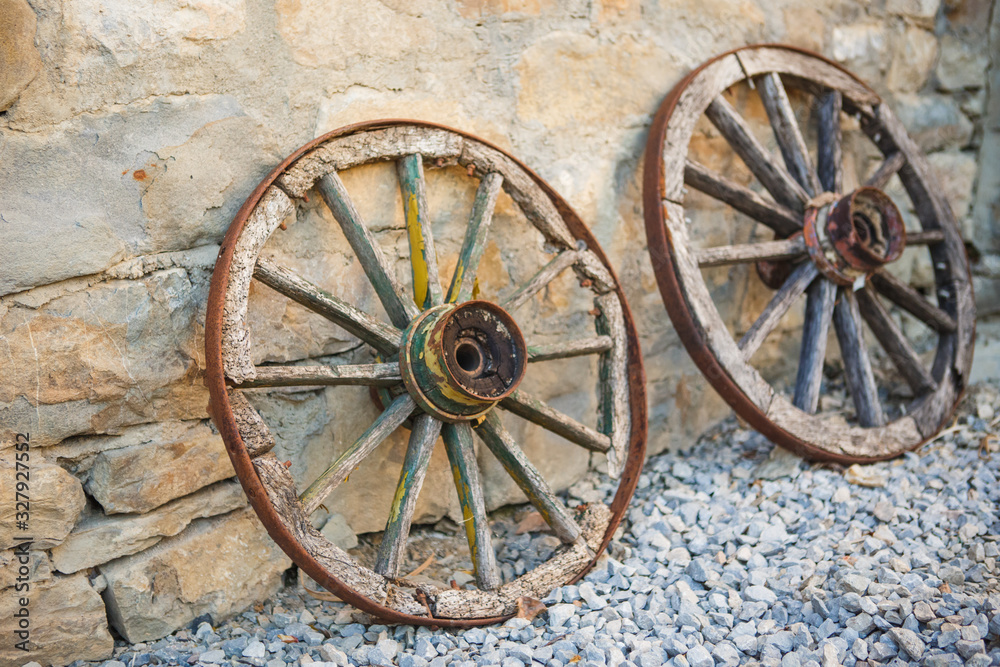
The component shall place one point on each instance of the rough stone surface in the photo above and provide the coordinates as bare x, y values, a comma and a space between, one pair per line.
56, 500
216, 566
68, 622
165, 462
99, 539
19, 60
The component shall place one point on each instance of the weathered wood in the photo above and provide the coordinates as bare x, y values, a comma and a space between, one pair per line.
589, 267
785, 249
397, 412
912, 301
857, 365
392, 550
474, 243
527, 407
383, 337
774, 177
372, 375
526, 193
951, 267
281, 493
527, 478
715, 333
566, 564
931, 412
380, 273
540, 280
928, 237
895, 344
352, 150
462, 456
423, 258
787, 132
573, 348
254, 433
892, 164
613, 412
783, 220
829, 154
810, 73
272, 209
815, 331
776, 308
841, 438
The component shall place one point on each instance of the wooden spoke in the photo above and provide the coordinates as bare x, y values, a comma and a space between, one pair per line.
820, 297
401, 310
782, 300
527, 407
423, 259
894, 342
912, 301
786, 249
397, 412
383, 337
886, 170
543, 277
475, 238
462, 456
527, 477
829, 154
372, 375
928, 237
392, 550
774, 177
614, 405
783, 220
857, 365
573, 348
787, 132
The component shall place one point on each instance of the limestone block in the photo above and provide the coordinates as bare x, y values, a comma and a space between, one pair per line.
19, 60
90, 359
319, 37
68, 622
165, 461
129, 31
934, 121
956, 172
71, 211
217, 566
56, 499
921, 11
912, 60
963, 62
17, 567
861, 47
100, 539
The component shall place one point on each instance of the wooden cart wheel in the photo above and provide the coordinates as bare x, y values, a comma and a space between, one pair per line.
445, 366
834, 236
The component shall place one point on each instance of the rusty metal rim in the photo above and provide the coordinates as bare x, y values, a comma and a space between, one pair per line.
675, 299
221, 412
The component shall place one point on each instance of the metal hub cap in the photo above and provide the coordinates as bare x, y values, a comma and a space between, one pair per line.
458, 361
855, 235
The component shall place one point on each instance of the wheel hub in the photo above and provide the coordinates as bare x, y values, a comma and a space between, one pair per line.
458, 361
855, 235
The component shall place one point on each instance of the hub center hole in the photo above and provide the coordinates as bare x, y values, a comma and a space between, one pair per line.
469, 357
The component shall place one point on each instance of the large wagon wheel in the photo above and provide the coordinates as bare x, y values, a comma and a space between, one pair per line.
832, 241
444, 367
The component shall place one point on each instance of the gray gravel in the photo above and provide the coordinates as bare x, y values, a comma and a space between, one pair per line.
730, 555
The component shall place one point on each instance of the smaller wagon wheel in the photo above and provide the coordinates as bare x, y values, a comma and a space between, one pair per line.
446, 364
835, 237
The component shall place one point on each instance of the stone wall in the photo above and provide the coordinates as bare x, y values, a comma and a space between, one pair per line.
130, 133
